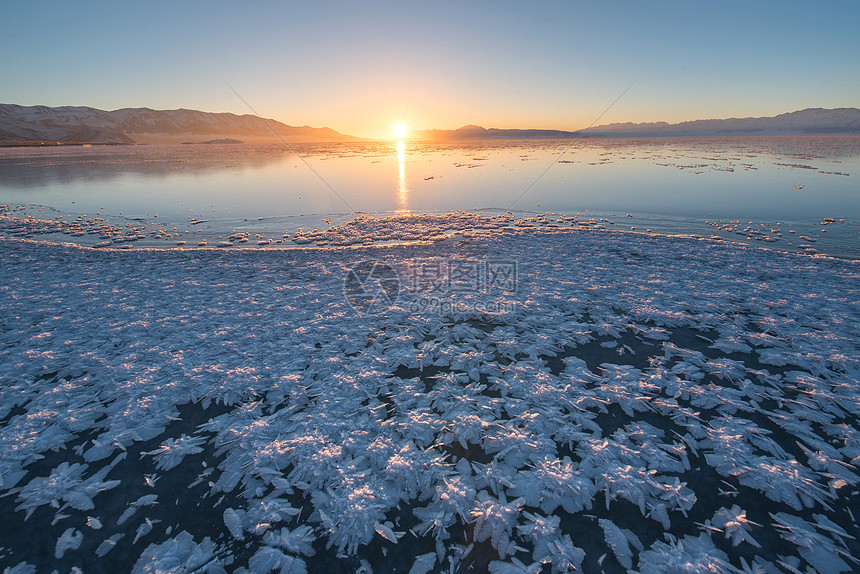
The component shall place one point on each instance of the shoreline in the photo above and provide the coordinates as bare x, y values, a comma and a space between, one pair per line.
360, 230
416, 243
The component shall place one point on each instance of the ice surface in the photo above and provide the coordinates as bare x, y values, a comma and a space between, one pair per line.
243, 415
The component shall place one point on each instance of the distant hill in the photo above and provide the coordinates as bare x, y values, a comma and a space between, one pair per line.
78, 124
803, 122
480, 133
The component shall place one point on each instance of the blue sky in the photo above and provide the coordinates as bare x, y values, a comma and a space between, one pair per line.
360, 67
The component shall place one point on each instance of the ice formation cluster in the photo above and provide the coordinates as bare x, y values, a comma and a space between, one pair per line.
636, 403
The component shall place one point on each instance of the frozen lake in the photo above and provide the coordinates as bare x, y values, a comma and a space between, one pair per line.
619, 402
428, 381
742, 189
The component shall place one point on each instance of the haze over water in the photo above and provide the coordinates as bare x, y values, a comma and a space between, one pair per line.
669, 185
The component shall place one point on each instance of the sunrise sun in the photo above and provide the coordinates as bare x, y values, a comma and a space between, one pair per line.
399, 131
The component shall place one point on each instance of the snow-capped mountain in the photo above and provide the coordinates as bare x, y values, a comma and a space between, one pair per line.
803, 122
143, 125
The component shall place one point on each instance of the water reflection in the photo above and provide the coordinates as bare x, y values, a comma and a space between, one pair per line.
773, 178
403, 191
23, 168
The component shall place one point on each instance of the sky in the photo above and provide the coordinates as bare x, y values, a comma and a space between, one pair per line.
362, 67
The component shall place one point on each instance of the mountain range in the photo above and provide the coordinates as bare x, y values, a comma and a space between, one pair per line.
78, 124
803, 122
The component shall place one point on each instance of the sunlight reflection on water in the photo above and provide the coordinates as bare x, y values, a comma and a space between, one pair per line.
403, 191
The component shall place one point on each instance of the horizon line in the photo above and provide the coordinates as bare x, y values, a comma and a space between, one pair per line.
434, 129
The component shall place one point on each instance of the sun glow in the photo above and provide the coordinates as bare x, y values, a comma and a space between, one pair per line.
399, 131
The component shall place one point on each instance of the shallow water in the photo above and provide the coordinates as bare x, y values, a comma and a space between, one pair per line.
703, 186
